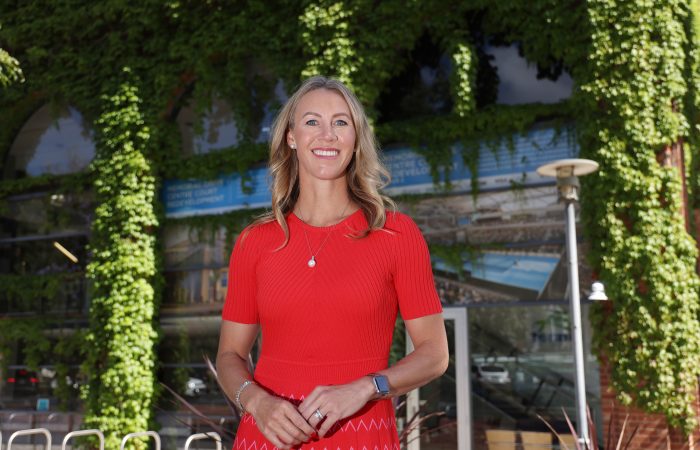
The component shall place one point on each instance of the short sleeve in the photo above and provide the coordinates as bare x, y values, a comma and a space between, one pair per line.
241, 302
413, 274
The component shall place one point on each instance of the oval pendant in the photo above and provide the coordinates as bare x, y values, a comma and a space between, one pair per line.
312, 262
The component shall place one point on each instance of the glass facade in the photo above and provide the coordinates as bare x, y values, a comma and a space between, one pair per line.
43, 247
498, 255
501, 256
55, 142
196, 268
186, 342
213, 130
521, 370
270, 111
520, 82
43, 253
421, 88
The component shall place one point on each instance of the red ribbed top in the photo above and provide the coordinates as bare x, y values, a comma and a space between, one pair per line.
332, 323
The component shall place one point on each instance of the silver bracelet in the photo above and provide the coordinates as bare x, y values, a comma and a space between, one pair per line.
245, 384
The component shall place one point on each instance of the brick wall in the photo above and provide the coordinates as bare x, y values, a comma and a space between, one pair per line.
652, 431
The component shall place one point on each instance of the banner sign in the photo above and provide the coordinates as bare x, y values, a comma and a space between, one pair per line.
226, 193
499, 169
502, 168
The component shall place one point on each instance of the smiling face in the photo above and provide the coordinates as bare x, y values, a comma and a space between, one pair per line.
323, 134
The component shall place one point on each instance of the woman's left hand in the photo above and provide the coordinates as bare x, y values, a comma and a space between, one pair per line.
335, 403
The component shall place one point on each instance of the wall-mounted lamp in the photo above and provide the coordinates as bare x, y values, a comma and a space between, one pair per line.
597, 292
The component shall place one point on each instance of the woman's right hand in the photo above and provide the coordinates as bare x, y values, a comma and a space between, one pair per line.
278, 420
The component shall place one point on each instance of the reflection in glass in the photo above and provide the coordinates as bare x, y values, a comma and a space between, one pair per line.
270, 111
215, 130
421, 88
196, 265
181, 355
46, 214
196, 287
438, 405
511, 245
69, 299
25, 385
40, 257
50, 143
519, 82
188, 248
523, 370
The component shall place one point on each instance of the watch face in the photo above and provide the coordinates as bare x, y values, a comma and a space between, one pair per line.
382, 384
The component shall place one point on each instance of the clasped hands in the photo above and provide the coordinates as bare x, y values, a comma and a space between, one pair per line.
286, 425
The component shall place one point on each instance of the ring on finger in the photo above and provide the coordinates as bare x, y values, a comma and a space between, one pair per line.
318, 414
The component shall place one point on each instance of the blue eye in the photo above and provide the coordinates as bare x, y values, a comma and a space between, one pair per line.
341, 122
312, 122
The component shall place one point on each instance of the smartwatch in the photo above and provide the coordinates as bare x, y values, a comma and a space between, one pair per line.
381, 384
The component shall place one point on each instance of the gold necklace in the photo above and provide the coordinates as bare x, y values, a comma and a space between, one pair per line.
312, 261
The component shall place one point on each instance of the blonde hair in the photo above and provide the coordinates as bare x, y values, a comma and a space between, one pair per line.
365, 174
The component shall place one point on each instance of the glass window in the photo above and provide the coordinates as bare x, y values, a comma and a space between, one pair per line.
524, 371
196, 265
436, 424
45, 214
421, 88
51, 142
270, 111
508, 246
63, 257
519, 81
46, 234
186, 343
214, 130
22, 387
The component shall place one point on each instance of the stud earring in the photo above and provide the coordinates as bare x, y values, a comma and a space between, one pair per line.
294, 146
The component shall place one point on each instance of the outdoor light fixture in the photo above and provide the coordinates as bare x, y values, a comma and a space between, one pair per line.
597, 292
567, 172
65, 251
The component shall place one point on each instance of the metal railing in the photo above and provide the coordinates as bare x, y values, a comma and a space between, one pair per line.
153, 434
212, 435
79, 433
31, 431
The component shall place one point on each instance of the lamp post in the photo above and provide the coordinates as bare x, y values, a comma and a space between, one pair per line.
567, 172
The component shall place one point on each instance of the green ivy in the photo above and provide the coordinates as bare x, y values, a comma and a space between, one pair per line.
464, 78
630, 95
359, 42
637, 78
27, 332
27, 289
10, 72
121, 355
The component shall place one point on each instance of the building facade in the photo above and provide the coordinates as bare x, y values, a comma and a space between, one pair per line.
466, 107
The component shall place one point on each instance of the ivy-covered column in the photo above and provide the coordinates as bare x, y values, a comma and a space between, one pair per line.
463, 81
121, 357
632, 95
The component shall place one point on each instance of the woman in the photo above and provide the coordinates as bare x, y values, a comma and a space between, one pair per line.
323, 276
